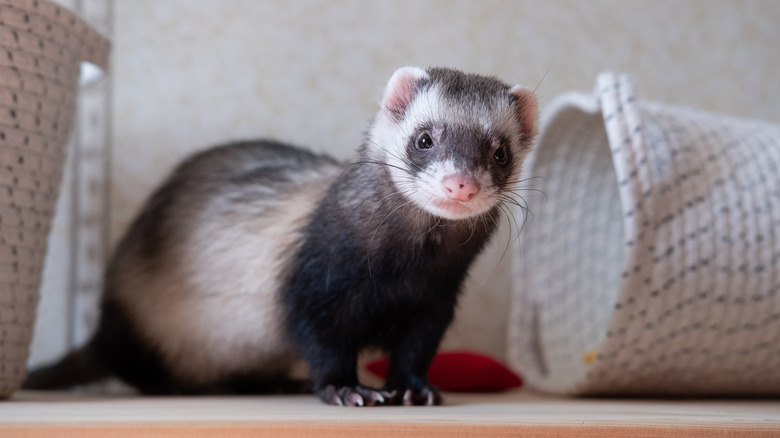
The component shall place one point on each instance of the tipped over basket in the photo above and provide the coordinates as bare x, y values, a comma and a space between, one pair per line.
653, 266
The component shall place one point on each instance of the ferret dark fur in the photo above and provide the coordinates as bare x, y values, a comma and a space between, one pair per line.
255, 254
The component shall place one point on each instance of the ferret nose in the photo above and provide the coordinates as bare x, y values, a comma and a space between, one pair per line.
460, 188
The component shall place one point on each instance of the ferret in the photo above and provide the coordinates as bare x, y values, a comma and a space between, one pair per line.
254, 255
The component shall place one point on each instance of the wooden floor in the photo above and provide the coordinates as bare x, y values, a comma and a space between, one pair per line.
518, 413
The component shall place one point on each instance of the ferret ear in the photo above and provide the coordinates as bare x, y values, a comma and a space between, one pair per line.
401, 89
527, 111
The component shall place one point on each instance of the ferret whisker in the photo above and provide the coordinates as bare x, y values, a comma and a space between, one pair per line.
386, 217
394, 155
524, 210
359, 205
524, 189
367, 198
473, 227
378, 163
433, 227
491, 274
407, 162
509, 200
492, 218
527, 213
403, 194
512, 219
515, 187
379, 204
392, 194
529, 180
488, 226
522, 180
513, 226
515, 198
484, 221
428, 220
371, 241
545, 74
509, 240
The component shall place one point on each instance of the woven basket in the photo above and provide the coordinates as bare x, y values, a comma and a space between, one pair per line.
653, 265
41, 49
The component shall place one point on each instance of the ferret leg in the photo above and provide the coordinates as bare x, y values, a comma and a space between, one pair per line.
409, 363
336, 380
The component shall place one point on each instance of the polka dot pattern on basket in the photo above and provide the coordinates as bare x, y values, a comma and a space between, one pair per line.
653, 265
41, 49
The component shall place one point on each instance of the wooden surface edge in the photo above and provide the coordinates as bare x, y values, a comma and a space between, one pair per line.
377, 430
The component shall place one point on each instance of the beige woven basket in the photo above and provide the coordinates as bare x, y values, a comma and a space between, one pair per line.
653, 265
41, 49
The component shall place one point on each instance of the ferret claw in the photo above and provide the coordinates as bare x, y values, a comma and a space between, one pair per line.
358, 395
426, 396
407, 401
381, 397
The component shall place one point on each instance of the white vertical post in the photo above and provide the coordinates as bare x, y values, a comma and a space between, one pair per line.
90, 189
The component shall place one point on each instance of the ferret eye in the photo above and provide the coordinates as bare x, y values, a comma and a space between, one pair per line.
501, 156
424, 142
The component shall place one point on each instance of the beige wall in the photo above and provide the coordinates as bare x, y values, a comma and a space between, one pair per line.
188, 74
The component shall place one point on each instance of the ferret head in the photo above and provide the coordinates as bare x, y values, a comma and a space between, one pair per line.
453, 142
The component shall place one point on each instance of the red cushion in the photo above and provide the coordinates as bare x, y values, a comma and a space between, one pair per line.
462, 371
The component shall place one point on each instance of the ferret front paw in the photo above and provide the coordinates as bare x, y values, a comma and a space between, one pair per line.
428, 395
358, 395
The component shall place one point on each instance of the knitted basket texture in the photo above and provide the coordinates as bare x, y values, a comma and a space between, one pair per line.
652, 264
42, 46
